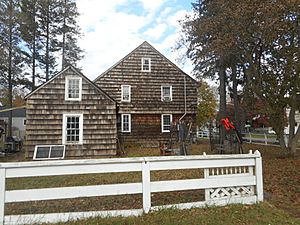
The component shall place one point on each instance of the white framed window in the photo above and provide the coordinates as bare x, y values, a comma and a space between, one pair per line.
72, 132
146, 64
44, 152
166, 93
24, 122
73, 88
125, 93
126, 123
166, 121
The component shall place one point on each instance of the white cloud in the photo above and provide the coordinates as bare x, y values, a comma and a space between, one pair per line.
156, 32
110, 33
152, 5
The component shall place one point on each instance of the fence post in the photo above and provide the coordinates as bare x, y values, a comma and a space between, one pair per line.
146, 186
266, 139
250, 138
206, 176
2, 194
259, 177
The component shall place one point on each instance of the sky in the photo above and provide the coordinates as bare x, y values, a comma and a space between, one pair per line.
113, 28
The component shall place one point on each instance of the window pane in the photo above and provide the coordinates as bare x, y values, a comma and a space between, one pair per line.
166, 122
166, 91
72, 129
126, 123
125, 93
57, 151
146, 64
73, 88
42, 152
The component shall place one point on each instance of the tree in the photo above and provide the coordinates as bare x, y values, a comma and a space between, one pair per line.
30, 34
11, 61
207, 105
49, 18
71, 52
261, 38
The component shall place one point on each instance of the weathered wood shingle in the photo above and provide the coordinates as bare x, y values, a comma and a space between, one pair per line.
146, 106
45, 109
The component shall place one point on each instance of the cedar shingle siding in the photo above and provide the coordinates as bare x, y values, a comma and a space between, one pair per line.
146, 105
102, 108
45, 109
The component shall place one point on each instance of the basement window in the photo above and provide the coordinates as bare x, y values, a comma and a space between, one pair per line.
166, 120
166, 93
126, 123
44, 152
73, 88
146, 64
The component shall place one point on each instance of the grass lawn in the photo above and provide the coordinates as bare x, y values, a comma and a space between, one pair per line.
281, 192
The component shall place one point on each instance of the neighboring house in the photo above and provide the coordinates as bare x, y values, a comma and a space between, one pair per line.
71, 111
151, 93
18, 120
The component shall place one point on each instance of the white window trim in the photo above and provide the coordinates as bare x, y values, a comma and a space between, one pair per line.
50, 146
122, 95
162, 122
143, 65
67, 88
64, 142
129, 125
162, 93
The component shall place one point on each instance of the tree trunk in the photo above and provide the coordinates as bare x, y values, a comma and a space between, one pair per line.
47, 40
34, 50
222, 106
293, 139
281, 140
292, 123
237, 119
10, 80
64, 37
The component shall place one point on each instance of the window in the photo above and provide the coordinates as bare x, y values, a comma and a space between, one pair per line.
73, 88
125, 93
24, 122
166, 93
146, 64
42, 152
126, 123
72, 129
166, 120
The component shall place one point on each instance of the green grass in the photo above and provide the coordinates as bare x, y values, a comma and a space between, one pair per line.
281, 190
260, 214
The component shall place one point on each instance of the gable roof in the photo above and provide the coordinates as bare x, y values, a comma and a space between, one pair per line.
155, 50
79, 74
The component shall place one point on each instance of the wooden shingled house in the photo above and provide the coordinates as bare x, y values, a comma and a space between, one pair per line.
139, 99
69, 115
152, 94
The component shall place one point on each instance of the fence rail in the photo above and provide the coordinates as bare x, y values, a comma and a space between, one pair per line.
227, 179
254, 138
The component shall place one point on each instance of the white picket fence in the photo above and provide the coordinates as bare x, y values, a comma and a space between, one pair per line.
255, 138
227, 179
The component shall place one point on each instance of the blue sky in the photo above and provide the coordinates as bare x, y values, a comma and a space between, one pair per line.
114, 28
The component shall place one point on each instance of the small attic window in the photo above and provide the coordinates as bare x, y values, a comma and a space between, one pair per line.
73, 88
146, 64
